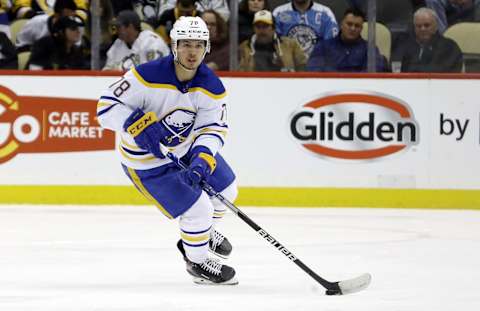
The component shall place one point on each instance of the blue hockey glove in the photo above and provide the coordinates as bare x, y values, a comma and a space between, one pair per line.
202, 165
146, 131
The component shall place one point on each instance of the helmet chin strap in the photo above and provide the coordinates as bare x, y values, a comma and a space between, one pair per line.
183, 66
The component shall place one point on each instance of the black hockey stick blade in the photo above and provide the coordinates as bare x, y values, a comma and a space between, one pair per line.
350, 286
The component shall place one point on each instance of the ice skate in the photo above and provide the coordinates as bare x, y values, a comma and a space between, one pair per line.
210, 272
219, 244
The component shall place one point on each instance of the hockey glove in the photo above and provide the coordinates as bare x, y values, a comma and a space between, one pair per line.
202, 165
146, 131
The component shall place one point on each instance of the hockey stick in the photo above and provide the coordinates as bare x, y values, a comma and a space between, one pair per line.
333, 288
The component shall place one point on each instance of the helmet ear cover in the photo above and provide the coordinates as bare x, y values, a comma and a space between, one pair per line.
189, 28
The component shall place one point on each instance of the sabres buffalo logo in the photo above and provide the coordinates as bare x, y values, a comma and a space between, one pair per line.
178, 125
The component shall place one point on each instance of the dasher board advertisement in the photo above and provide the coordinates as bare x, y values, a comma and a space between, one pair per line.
296, 132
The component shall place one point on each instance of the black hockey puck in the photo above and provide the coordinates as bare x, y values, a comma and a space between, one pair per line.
332, 292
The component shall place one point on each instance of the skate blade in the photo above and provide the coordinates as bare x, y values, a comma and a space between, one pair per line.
218, 255
201, 281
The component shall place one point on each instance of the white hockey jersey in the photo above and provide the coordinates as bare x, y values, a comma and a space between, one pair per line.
148, 46
34, 29
192, 112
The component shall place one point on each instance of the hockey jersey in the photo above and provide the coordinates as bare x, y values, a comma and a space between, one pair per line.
317, 23
192, 112
148, 46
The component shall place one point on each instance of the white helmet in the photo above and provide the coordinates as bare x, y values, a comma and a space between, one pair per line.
189, 28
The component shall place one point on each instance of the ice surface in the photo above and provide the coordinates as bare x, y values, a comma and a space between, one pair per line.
124, 258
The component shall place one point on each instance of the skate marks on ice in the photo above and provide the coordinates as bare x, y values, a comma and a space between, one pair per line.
124, 258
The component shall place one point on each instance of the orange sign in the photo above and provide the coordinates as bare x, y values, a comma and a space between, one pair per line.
31, 124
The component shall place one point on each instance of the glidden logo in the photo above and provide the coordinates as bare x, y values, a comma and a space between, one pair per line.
354, 126
48, 124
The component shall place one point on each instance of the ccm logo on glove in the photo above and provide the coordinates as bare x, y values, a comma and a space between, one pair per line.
146, 120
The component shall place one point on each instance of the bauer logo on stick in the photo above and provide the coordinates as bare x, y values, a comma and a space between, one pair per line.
354, 126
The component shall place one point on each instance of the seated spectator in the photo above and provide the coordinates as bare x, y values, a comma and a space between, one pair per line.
346, 52
305, 21
429, 51
60, 50
450, 12
219, 56
168, 18
265, 51
30, 8
246, 10
8, 54
41, 25
133, 46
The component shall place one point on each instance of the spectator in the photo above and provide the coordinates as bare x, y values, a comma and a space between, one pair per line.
450, 12
168, 18
8, 54
5, 7
30, 8
220, 6
246, 10
133, 46
346, 52
219, 56
429, 51
60, 50
265, 51
305, 21
41, 25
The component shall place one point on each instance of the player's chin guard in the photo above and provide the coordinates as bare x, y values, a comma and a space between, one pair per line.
189, 28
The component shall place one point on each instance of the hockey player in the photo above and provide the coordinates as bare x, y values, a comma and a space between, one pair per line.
179, 102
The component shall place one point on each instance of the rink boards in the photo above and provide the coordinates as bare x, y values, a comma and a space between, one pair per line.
303, 140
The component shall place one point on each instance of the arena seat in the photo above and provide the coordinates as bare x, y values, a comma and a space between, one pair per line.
464, 35
15, 28
383, 38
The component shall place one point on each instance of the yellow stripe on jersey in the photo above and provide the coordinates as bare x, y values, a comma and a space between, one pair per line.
173, 87
149, 158
206, 92
205, 130
103, 104
152, 85
129, 146
138, 183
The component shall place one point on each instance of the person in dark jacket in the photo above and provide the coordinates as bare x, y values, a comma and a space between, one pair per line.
61, 50
346, 52
8, 53
429, 51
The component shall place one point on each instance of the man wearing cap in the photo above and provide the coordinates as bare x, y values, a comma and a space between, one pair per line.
133, 46
60, 50
266, 51
41, 25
